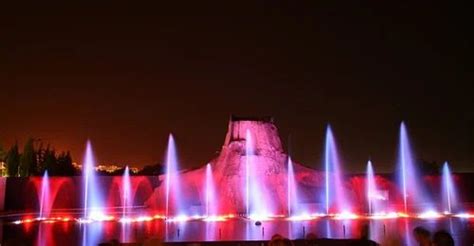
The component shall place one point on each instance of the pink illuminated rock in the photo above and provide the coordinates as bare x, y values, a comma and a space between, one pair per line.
269, 163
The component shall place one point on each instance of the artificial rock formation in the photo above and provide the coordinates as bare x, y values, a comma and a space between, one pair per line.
269, 163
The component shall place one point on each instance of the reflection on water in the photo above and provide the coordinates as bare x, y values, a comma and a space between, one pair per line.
238, 229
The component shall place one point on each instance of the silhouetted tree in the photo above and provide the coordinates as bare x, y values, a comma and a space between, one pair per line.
50, 162
13, 161
3, 153
151, 170
40, 154
64, 165
28, 160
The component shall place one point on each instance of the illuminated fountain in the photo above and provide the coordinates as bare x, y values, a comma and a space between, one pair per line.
335, 194
449, 195
210, 190
45, 199
126, 204
292, 190
411, 189
173, 185
371, 188
127, 201
256, 206
93, 199
251, 178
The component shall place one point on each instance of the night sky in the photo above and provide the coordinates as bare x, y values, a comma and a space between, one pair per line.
126, 76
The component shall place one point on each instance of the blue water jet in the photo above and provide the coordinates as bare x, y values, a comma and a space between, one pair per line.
173, 188
211, 209
335, 194
449, 194
93, 198
409, 177
292, 192
256, 206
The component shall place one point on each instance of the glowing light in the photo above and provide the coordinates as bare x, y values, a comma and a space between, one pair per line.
196, 217
383, 215
403, 215
319, 215
180, 218
301, 217
215, 218
259, 217
125, 220
159, 216
84, 221
431, 214
98, 216
28, 220
144, 218
464, 215
346, 216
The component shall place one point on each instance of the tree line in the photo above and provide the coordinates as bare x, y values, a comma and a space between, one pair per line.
34, 161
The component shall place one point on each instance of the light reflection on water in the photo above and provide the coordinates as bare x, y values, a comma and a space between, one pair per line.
94, 233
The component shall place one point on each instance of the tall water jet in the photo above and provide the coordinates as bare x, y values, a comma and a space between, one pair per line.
372, 193
173, 190
93, 208
45, 202
127, 203
211, 209
291, 190
126, 193
449, 196
408, 173
335, 195
256, 206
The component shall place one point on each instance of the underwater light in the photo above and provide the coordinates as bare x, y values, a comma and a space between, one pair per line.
125, 220
65, 219
402, 214
143, 218
179, 218
230, 216
431, 214
464, 215
259, 217
159, 216
301, 217
84, 221
215, 218
383, 215
346, 216
319, 215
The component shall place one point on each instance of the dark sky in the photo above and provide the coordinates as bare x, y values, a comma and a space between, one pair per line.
125, 76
